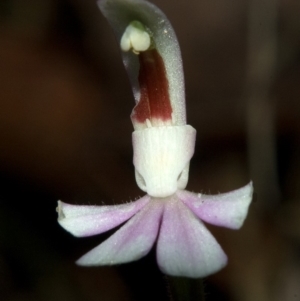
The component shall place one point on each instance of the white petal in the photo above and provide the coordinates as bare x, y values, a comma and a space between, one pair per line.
92, 220
161, 154
227, 209
120, 13
185, 247
131, 242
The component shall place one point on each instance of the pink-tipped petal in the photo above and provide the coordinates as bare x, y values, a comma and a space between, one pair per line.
226, 210
131, 242
185, 247
93, 220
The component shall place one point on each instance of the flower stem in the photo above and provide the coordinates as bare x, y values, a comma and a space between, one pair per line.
182, 289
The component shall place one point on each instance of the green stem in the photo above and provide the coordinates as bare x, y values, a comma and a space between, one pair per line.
182, 289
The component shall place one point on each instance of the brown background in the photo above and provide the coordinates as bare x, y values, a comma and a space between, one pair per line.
65, 133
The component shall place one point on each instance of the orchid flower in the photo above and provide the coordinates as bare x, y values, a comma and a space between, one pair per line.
163, 146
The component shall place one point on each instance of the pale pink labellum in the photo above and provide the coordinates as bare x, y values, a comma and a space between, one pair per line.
92, 220
185, 246
131, 242
226, 209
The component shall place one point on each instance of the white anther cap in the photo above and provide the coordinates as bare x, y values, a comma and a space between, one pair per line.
135, 37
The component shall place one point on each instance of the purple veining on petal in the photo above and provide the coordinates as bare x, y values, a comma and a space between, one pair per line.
226, 209
131, 242
92, 220
185, 247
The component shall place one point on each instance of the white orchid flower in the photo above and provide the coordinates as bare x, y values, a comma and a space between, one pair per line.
163, 145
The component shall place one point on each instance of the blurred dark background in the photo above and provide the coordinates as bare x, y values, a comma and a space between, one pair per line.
65, 133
